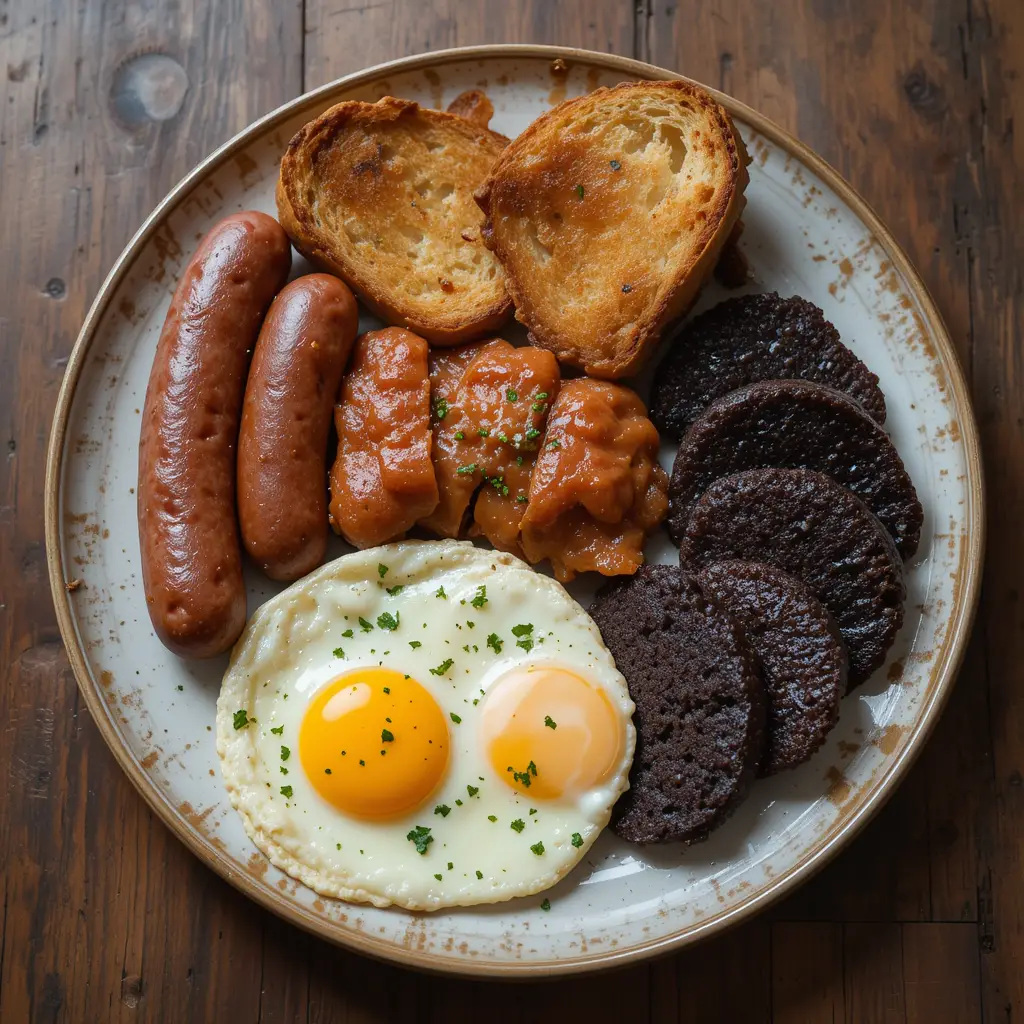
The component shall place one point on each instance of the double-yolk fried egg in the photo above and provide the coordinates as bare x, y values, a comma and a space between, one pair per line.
426, 724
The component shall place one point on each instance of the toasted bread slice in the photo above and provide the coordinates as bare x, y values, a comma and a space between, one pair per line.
381, 194
609, 212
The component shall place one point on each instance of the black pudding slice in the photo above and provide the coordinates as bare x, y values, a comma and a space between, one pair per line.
803, 657
699, 704
808, 525
751, 338
795, 424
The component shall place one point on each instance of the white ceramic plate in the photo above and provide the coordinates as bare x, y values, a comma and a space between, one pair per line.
807, 233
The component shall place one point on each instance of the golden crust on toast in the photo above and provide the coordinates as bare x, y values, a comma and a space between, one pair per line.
609, 213
381, 194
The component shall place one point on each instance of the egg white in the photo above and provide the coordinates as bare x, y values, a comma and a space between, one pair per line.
286, 654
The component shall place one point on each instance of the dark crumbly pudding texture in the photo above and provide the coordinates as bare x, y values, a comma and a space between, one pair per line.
699, 704
803, 657
751, 338
811, 527
796, 424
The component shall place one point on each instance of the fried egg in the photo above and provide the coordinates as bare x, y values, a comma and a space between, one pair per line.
425, 724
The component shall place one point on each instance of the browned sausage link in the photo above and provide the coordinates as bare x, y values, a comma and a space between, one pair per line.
191, 557
282, 447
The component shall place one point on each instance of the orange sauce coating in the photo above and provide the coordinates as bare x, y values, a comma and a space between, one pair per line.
597, 489
383, 480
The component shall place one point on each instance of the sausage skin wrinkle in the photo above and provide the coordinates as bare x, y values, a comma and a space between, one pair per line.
188, 532
286, 417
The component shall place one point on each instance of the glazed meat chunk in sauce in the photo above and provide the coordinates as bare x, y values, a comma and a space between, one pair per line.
597, 489
487, 430
382, 481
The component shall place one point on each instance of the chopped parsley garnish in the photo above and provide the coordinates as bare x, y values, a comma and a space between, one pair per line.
512, 395
327, 771
518, 825
523, 631
472, 790
537, 848
484, 432
241, 719
577, 840
521, 498
387, 621
579, 191
468, 468
532, 433
615, 165
458, 803
440, 408
286, 791
338, 845
495, 643
348, 634
382, 570
627, 288
533, 810
545, 904
540, 396
503, 437
438, 877
285, 753
395, 590
440, 592
443, 667
481, 597
550, 722
454, 717
525, 777
278, 730
387, 689
443, 809
459, 435
552, 445
364, 625
414, 644
492, 817
519, 460
470, 624
338, 652
479, 874
387, 736
450, 865
421, 838
282, 769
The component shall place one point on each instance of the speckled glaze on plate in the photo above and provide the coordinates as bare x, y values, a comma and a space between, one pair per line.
806, 232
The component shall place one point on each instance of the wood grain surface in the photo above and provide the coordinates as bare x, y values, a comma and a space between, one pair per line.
103, 915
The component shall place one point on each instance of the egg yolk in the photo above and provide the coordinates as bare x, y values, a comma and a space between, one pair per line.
374, 743
550, 733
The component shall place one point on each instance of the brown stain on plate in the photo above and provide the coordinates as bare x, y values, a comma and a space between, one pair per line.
559, 73
895, 673
246, 165
889, 739
846, 267
840, 791
436, 93
150, 759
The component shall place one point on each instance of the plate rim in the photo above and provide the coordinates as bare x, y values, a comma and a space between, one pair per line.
947, 664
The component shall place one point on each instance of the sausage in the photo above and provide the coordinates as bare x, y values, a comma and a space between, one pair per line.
282, 447
191, 556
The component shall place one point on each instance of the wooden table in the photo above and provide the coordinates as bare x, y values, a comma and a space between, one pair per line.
104, 915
